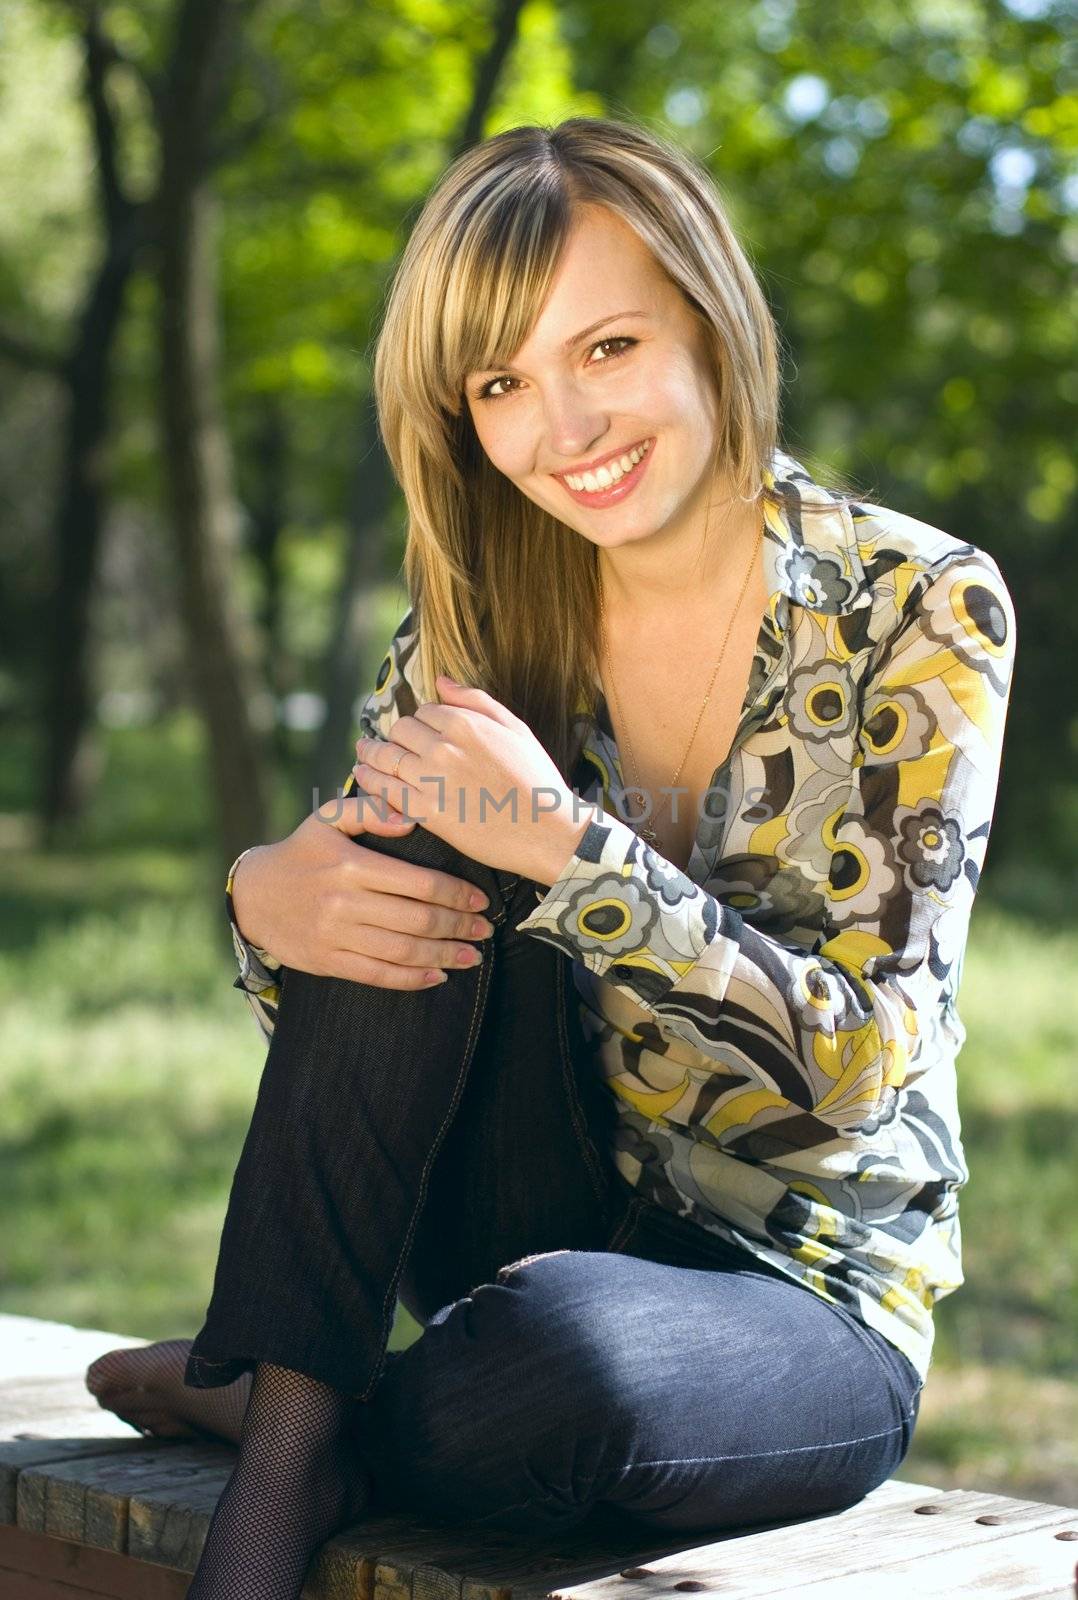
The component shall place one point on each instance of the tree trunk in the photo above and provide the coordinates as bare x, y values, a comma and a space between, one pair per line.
203, 506
68, 761
267, 511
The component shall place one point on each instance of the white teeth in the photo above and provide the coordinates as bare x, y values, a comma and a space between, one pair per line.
611, 472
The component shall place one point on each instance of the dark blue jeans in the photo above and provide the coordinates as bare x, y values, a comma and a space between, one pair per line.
581, 1346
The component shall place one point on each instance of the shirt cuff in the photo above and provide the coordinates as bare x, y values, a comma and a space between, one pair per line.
258, 968
629, 915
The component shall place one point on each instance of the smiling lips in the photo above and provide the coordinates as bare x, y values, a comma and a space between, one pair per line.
612, 480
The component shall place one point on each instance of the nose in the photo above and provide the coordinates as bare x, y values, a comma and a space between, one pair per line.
574, 426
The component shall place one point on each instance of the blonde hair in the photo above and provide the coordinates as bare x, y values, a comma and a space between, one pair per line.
505, 594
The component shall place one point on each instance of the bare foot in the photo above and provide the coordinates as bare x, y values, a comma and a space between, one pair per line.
143, 1385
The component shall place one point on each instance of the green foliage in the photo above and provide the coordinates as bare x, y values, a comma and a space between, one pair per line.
903, 177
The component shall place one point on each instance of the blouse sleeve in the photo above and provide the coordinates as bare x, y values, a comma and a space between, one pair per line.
835, 1031
391, 697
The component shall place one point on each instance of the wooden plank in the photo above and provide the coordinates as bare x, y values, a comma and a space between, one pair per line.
43, 1406
17, 1455
491, 1565
86, 1500
1023, 1566
168, 1522
846, 1545
400, 1556
621, 1547
34, 1567
344, 1567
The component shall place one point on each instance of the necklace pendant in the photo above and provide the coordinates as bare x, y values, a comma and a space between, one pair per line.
643, 830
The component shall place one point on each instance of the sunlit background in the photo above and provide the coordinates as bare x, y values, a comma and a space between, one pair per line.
200, 546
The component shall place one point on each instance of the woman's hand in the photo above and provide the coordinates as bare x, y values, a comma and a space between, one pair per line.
323, 903
475, 775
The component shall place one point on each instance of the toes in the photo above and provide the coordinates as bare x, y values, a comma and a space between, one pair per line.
104, 1373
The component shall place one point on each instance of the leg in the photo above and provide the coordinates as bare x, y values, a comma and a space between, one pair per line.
360, 1088
687, 1398
296, 1482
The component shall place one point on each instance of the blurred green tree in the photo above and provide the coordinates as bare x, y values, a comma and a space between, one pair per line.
903, 178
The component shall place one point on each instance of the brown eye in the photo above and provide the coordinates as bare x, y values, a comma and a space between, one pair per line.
490, 390
620, 339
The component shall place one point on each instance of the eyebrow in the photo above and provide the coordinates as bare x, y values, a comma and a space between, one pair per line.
613, 317
576, 338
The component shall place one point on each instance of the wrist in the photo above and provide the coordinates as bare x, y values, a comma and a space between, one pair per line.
563, 832
239, 883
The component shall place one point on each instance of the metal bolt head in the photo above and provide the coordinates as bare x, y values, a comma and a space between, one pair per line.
927, 1511
637, 1572
690, 1584
990, 1521
1068, 1533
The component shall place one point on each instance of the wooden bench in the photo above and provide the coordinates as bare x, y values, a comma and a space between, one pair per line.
89, 1508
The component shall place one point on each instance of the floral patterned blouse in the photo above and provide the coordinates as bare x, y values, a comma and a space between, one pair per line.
778, 1023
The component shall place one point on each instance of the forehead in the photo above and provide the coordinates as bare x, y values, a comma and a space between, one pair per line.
604, 268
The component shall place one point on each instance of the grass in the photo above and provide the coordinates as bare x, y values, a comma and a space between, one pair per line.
130, 1065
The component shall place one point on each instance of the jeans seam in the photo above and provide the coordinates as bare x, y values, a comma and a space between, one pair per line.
391, 1290
689, 1461
626, 1229
506, 900
761, 1455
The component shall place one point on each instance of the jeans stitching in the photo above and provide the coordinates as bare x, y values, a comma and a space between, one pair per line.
761, 1455
688, 1461
626, 1229
506, 891
391, 1291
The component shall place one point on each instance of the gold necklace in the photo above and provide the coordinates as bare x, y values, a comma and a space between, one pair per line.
647, 831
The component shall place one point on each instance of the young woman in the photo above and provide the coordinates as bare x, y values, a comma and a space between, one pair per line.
666, 1160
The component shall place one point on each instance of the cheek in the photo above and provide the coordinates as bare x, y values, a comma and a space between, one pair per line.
680, 393
508, 443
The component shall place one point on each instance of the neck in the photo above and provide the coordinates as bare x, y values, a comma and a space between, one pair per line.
650, 577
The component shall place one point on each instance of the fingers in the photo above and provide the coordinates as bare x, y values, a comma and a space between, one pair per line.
391, 794
355, 813
406, 950
385, 974
425, 886
471, 699
418, 919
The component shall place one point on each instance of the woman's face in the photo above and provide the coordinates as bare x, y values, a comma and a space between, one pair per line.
616, 364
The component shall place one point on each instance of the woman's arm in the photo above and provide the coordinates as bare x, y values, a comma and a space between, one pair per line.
831, 1033
325, 904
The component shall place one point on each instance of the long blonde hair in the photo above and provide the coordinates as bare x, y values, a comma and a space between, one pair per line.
506, 595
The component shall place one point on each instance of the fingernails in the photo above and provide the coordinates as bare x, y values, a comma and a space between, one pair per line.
478, 901
436, 976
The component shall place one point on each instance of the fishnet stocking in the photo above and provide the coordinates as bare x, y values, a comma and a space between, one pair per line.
144, 1384
298, 1480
